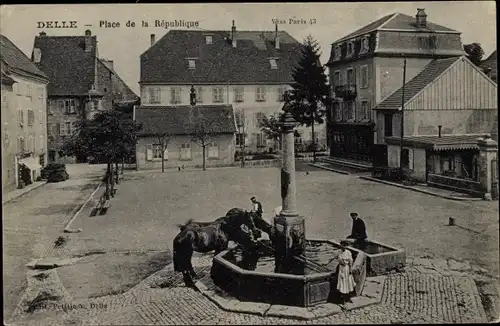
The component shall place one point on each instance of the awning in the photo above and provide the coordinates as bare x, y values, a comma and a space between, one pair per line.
436, 143
31, 163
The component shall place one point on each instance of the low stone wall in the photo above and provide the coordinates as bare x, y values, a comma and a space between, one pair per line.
456, 184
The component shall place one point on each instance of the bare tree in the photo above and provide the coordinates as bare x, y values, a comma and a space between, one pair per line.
204, 129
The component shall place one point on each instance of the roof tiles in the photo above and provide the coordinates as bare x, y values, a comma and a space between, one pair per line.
15, 58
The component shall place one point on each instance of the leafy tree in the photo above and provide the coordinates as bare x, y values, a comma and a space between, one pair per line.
204, 128
109, 137
269, 125
474, 53
309, 96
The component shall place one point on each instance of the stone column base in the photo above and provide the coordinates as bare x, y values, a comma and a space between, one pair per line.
289, 241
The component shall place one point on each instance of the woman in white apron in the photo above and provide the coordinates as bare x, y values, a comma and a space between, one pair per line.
345, 280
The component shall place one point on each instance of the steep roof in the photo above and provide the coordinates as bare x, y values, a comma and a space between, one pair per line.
70, 69
15, 58
490, 62
6, 80
179, 120
396, 21
219, 62
433, 70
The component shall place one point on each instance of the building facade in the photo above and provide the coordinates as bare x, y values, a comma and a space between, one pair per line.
366, 66
489, 66
182, 132
81, 85
248, 70
24, 119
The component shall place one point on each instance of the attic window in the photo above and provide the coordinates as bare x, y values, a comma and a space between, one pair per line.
37, 55
337, 52
208, 39
192, 64
350, 49
365, 46
274, 64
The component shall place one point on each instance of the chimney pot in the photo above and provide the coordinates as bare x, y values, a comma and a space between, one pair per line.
421, 17
42, 33
233, 35
276, 39
88, 32
152, 39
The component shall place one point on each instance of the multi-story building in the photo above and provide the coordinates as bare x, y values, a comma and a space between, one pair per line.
24, 119
366, 66
80, 85
489, 66
249, 70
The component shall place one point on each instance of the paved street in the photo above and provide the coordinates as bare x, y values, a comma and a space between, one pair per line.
148, 205
32, 222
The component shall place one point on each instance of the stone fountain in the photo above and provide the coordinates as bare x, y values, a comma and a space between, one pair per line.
296, 271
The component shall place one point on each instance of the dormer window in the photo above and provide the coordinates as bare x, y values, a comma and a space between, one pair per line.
337, 52
208, 39
37, 55
192, 64
365, 46
274, 64
350, 49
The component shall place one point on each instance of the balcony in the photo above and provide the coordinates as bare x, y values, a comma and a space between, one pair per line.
347, 92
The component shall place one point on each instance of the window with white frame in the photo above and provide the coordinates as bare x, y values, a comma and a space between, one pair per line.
350, 110
199, 94
69, 106
67, 128
238, 94
273, 63
257, 118
31, 117
192, 64
364, 76
156, 151
351, 77
365, 110
260, 94
29, 91
280, 92
337, 52
338, 111
217, 94
208, 39
240, 139
213, 150
365, 45
154, 95
350, 49
185, 151
175, 95
40, 91
336, 78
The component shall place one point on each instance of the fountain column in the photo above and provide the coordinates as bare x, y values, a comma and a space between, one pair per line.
290, 226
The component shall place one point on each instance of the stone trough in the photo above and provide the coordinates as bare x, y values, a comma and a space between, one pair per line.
381, 258
308, 284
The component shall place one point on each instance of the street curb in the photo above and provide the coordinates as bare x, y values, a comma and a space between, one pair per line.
329, 169
43, 183
419, 190
67, 228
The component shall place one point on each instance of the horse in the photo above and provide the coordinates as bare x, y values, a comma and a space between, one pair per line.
205, 237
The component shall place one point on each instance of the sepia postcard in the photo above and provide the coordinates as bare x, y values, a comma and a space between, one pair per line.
250, 163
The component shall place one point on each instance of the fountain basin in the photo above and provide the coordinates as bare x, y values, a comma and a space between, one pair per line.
306, 285
381, 258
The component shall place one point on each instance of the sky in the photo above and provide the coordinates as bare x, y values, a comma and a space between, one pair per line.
326, 22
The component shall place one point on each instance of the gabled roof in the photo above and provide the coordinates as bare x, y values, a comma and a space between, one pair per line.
396, 21
219, 62
16, 59
179, 120
432, 71
70, 69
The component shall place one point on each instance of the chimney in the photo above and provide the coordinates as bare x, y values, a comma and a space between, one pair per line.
42, 33
276, 39
152, 39
233, 35
88, 41
439, 131
421, 18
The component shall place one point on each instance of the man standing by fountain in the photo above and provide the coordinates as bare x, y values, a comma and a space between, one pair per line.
256, 206
358, 233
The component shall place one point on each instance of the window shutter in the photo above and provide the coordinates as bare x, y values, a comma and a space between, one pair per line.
149, 152
165, 154
410, 159
172, 95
